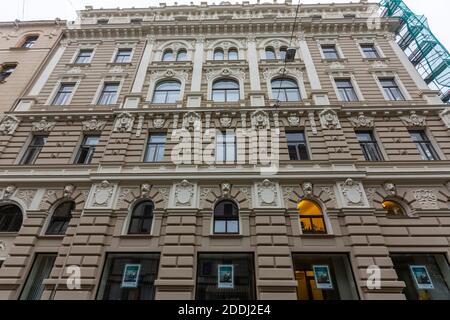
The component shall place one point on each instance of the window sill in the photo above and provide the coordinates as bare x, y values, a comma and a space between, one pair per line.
226, 236
324, 236
136, 236
8, 234
375, 59
52, 236
72, 65
342, 60
122, 64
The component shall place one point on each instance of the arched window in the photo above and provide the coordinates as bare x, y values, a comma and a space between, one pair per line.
225, 90
10, 218
233, 54
226, 218
168, 55
29, 41
141, 218
270, 53
311, 217
285, 90
218, 54
167, 92
182, 55
393, 209
283, 51
61, 218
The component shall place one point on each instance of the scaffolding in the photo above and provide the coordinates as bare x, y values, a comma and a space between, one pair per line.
423, 49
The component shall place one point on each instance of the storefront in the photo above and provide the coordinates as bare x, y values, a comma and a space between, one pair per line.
427, 276
324, 277
129, 277
225, 277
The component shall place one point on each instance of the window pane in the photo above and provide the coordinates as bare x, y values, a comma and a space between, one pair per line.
182, 55
155, 148
270, 54
168, 55
10, 218
218, 55
233, 226
233, 55
42, 267
219, 226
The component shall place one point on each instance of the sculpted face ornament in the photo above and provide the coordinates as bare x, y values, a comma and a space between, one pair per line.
8, 125
68, 191
145, 190
158, 122
9, 191
225, 121
307, 189
390, 188
226, 189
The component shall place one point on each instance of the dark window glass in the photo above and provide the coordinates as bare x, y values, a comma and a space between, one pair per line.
10, 218
420, 272
226, 218
270, 53
424, 145
330, 52
333, 273
34, 149
1, 263
242, 278
283, 51
6, 71
225, 90
87, 150
369, 146
63, 95
182, 55
136, 21
218, 54
34, 286
102, 21
109, 93
346, 91
84, 56
297, 147
155, 147
167, 92
285, 90
111, 286
168, 55
392, 90
226, 149
141, 218
29, 42
61, 218
233, 54
312, 220
370, 51
123, 56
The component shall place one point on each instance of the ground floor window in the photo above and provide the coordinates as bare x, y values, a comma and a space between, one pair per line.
225, 277
324, 277
34, 286
427, 276
129, 277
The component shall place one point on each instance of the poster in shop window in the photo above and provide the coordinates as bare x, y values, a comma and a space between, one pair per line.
323, 277
421, 277
226, 276
131, 276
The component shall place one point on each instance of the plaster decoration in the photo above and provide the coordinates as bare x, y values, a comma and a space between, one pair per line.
288, 194
47, 196
225, 120
204, 192
43, 125
192, 120
362, 121
124, 122
169, 73
267, 194
308, 189
26, 196
337, 66
414, 120
226, 189
244, 120
140, 125
329, 119
9, 191
184, 194
123, 195
238, 73
159, 122
371, 192
103, 194
164, 192
145, 190
426, 198
448, 185
9, 125
390, 188
68, 191
445, 116
174, 46
312, 122
352, 194
2, 246
93, 125
246, 191
330, 192
260, 120
293, 120
379, 65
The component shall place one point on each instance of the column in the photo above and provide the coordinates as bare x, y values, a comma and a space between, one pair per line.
256, 95
194, 98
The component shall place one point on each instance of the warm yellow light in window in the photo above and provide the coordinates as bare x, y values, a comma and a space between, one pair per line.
309, 208
393, 208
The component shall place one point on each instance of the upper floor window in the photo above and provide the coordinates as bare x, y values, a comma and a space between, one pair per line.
297, 146
424, 145
393, 209
102, 21
156, 144
369, 146
225, 90
283, 52
312, 219
29, 41
285, 90
84, 56
167, 92
61, 218
6, 71
330, 52
64, 94
136, 21
226, 146
270, 53
141, 218
370, 51
182, 55
34, 149
233, 54
168, 55
219, 54
10, 218
391, 89
109, 93
123, 56
346, 90
226, 218
87, 149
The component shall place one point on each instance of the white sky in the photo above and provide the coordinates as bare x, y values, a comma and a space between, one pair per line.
436, 10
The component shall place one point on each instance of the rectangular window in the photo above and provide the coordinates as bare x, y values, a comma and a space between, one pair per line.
42, 267
330, 52
102, 21
123, 56
391, 89
324, 277
109, 93
6, 71
63, 95
346, 91
29, 42
87, 150
369, 146
226, 149
225, 277
34, 149
370, 52
427, 276
84, 56
155, 147
424, 145
297, 146
1, 263
129, 277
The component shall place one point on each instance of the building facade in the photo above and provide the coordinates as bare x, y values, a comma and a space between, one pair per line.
185, 152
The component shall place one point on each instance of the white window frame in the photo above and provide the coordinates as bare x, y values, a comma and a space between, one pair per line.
401, 86
329, 42
298, 77
377, 138
127, 221
123, 45
326, 219
119, 79
359, 94
77, 53
241, 87
305, 133
51, 98
154, 82
370, 42
211, 231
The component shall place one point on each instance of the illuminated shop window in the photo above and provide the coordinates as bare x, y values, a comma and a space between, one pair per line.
393, 209
311, 217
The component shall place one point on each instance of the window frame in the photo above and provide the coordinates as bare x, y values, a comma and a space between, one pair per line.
119, 55
157, 147
64, 219
102, 92
226, 91
224, 144
425, 140
297, 143
166, 91
68, 95
5, 75
388, 91
225, 219
311, 217
233, 51
26, 42
218, 51
79, 53
375, 51
142, 218
272, 51
167, 52
15, 219
36, 154
340, 90
90, 151
374, 143
325, 54
284, 89
182, 51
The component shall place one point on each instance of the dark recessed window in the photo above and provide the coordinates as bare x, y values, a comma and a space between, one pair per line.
424, 145
226, 218
168, 55
370, 52
109, 93
182, 55
87, 149
283, 52
61, 218
225, 90
285, 90
330, 52
346, 91
369, 146
64, 94
123, 56
297, 146
226, 149
136, 21
34, 286
84, 56
270, 53
218, 54
391, 89
156, 144
10, 218
312, 220
167, 92
6, 71
34, 149
102, 21
30, 41
233, 54
141, 218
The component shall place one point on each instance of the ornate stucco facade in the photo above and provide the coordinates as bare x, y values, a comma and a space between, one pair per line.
349, 190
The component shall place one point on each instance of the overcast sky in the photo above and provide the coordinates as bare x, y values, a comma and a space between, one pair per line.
436, 10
